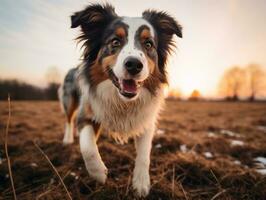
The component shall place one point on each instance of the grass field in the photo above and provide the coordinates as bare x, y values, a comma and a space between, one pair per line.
201, 150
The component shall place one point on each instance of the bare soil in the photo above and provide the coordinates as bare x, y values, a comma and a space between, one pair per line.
202, 150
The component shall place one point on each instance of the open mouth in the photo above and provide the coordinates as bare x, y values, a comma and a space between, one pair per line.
127, 87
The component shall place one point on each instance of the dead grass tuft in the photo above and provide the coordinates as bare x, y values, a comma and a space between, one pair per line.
185, 175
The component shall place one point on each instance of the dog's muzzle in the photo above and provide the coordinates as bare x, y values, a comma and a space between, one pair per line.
127, 87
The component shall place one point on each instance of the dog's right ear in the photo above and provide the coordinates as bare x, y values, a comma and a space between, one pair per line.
93, 20
93, 15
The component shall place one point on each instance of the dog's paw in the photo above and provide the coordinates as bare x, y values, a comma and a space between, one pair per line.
97, 170
68, 136
141, 182
68, 140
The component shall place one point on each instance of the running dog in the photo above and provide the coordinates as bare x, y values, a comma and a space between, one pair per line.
118, 88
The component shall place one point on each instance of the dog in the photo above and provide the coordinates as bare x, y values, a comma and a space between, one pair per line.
119, 87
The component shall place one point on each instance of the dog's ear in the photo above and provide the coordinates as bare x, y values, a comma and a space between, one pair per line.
92, 15
165, 26
163, 23
93, 20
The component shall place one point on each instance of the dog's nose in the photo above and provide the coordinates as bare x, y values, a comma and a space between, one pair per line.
133, 65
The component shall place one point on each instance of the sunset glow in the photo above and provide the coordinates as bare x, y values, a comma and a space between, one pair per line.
217, 35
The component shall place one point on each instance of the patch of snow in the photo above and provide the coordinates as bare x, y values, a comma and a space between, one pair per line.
261, 160
211, 134
261, 128
33, 165
261, 171
208, 154
237, 162
259, 165
160, 132
52, 181
158, 146
72, 173
229, 133
183, 148
237, 143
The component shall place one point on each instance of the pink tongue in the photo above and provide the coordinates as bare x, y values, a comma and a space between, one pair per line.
129, 86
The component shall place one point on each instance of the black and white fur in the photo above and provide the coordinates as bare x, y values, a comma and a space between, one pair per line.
118, 89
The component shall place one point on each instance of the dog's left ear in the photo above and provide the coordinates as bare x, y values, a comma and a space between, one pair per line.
165, 26
163, 23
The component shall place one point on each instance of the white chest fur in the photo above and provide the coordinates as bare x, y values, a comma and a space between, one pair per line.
124, 119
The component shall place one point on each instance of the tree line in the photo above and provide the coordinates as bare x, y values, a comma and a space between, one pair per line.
248, 81
20, 90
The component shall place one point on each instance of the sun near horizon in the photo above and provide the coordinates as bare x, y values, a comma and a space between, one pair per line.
216, 36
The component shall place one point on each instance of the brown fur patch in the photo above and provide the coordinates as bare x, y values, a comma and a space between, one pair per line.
109, 61
96, 18
97, 75
99, 72
86, 119
155, 79
120, 32
151, 64
71, 109
145, 34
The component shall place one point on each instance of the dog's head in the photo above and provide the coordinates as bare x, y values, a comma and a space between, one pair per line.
131, 51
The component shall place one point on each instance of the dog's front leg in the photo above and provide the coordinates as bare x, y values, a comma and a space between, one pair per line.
141, 177
90, 153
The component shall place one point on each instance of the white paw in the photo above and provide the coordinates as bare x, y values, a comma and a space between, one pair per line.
97, 170
68, 140
68, 137
141, 181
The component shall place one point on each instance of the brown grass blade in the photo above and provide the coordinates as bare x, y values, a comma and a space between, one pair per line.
6, 149
53, 167
173, 182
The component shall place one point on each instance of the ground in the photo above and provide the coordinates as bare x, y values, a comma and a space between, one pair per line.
201, 150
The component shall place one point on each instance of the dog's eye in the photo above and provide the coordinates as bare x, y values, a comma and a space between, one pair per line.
116, 43
148, 44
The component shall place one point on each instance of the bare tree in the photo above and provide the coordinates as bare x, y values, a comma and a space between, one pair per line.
174, 93
232, 83
256, 77
195, 96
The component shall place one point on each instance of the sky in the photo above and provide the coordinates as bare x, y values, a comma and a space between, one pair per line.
36, 35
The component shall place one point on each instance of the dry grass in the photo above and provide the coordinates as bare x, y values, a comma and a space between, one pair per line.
56, 172
175, 174
6, 150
